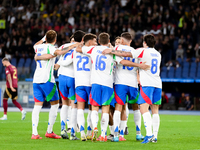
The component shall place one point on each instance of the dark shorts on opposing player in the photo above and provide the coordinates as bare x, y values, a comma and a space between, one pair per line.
10, 94
46, 90
101, 95
124, 94
67, 87
150, 95
82, 94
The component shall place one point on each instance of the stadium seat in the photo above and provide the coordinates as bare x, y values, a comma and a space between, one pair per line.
193, 65
20, 66
186, 64
163, 74
14, 61
27, 67
171, 72
180, 60
33, 67
185, 74
178, 72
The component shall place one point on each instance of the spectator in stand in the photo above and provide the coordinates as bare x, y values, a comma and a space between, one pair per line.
188, 103
182, 100
197, 52
189, 53
165, 100
179, 52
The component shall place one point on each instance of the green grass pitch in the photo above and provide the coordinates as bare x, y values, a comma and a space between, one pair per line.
176, 132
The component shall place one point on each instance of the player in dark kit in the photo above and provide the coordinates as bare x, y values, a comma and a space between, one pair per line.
11, 88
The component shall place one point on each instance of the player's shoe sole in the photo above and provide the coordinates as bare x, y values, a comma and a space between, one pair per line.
64, 134
52, 135
36, 137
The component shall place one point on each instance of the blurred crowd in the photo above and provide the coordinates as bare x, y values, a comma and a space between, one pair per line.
175, 23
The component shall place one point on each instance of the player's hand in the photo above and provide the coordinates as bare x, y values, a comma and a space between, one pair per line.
35, 57
144, 66
110, 45
12, 89
56, 66
107, 51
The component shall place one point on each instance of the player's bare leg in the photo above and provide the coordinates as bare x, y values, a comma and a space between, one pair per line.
144, 109
95, 119
123, 123
73, 121
81, 119
63, 118
127, 114
69, 118
155, 122
137, 120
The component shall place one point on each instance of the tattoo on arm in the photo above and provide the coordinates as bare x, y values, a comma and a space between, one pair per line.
66, 48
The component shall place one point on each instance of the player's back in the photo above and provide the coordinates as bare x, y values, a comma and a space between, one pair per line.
44, 68
12, 70
66, 62
102, 66
124, 74
153, 58
82, 69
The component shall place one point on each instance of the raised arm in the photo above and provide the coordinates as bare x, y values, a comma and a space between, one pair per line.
40, 41
117, 52
132, 64
65, 50
43, 57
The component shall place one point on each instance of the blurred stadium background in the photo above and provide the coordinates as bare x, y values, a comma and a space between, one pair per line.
175, 24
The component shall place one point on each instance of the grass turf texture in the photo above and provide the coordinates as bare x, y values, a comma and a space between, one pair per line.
176, 132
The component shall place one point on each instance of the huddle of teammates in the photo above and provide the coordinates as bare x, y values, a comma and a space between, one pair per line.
101, 76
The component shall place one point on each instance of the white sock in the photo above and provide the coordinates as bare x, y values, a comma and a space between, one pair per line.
127, 114
63, 116
35, 118
81, 121
137, 120
116, 121
122, 127
89, 123
22, 111
156, 124
94, 118
52, 117
69, 117
111, 129
147, 123
104, 124
73, 121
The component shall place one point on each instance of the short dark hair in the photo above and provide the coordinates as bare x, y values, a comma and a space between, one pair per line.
150, 40
127, 36
71, 37
78, 35
117, 38
104, 38
51, 36
5, 59
88, 37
